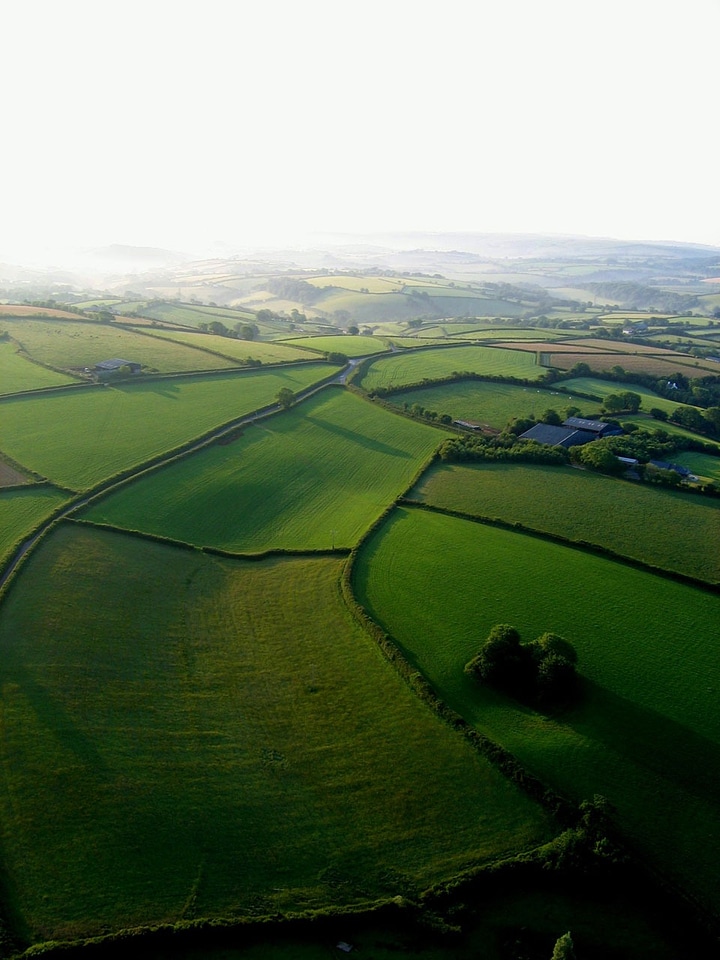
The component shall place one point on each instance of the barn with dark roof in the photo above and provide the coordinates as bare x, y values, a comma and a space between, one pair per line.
574, 432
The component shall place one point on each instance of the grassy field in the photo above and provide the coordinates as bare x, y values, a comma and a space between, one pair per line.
76, 345
407, 368
358, 346
492, 403
227, 743
668, 529
17, 373
701, 464
314, 477
603, 388
238, 350
646, 733
78, 438
21, 511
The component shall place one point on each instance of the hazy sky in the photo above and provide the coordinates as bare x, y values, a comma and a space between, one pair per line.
181, 123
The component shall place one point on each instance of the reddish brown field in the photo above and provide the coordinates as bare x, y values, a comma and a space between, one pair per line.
25, 310
654, 364
10, 477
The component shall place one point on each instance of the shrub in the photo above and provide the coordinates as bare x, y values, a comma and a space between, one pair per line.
541, 672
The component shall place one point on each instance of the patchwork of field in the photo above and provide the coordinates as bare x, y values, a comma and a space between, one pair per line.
411, 368
76, 345
22, 510
239, 351
227, 743
634, 363
18, 373
646, 731
189, 315
314, 478
493, 404
78, 438
677, 531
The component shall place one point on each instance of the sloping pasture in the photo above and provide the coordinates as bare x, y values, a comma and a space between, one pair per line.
75, 345
18, 373
185, 737
312, 478
494, 404
665, 528
237, 350
409, 368
646, 731
78, 438
351, 346
22, 510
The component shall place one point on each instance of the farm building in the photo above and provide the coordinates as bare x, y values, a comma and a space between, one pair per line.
573, 432
112, 366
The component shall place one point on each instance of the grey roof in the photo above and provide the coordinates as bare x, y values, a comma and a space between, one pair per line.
580, 423
557, 436
115, 364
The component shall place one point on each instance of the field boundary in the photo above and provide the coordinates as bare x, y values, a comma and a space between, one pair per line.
583, 545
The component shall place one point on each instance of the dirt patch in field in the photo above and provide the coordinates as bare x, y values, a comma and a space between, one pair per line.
10, 477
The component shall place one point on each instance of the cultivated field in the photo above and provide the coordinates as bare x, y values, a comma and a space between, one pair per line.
358, 346
76, 345
185, 736
494, 404
314, 478
78, 438
411, 368
239, 351
17, 373
678, 532
22, 510
646, 733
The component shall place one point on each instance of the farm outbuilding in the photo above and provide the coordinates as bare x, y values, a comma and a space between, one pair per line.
112, 366
573, 432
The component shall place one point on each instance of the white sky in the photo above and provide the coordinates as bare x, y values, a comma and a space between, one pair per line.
182, 122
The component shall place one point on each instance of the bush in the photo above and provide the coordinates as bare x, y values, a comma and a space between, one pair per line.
541, 672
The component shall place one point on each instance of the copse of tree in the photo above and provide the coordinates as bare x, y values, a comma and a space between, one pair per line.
542, 672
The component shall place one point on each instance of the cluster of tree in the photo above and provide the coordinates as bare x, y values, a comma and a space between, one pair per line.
417, 410
290, 288
241, 331
541, 672
637, 296
505, 447
625, 402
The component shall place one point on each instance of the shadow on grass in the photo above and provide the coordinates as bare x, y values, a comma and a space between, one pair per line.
377, 446
649, 739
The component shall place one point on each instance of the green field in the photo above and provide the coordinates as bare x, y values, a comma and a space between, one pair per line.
494, 404
603, 388
18, 373
665, 528
413, 367
703, 465
185, 737
75, 345
78, 438
237, 350
21, 511
312, 478
646, 733
351, 346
